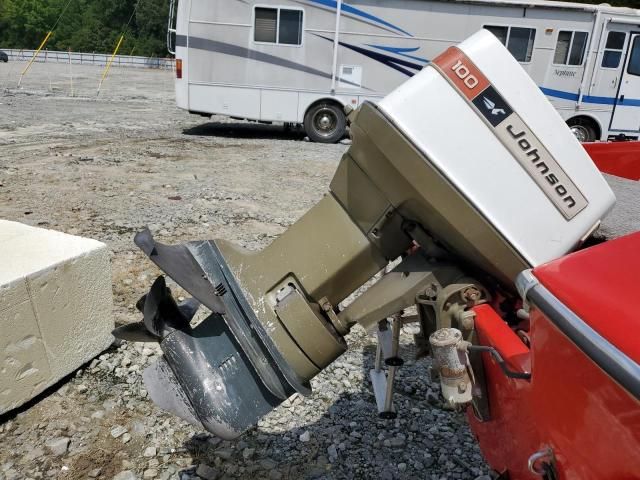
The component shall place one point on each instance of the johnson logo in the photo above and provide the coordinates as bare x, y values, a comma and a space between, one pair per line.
541, 166
514, 134
491, 106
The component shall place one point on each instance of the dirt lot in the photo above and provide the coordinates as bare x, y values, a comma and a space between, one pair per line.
104, 167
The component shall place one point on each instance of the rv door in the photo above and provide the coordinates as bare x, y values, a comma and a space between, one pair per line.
171, 28
626, 113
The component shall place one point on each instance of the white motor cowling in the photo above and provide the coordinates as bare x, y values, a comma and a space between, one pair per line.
481, 121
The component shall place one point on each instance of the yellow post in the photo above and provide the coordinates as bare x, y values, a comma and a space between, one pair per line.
70, 72
35, 54
106, 70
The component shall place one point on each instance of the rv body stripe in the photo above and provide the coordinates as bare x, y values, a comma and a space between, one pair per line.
511, 130
628, 102
392, 62
242, 52
346, 8
401, 51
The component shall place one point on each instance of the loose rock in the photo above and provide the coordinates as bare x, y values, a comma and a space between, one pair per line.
206, 472
118, 431
150, 452
150, 473
58, 446
126, 475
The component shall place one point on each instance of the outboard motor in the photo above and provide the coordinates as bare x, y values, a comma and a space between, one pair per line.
466, 171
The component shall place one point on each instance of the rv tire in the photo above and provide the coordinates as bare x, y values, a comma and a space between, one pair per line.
325, 122
584, 129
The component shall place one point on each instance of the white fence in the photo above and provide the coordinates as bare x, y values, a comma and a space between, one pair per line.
99, 59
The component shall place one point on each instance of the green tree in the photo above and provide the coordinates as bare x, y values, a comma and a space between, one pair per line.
96, 25
87, 25
26, 22
151, 28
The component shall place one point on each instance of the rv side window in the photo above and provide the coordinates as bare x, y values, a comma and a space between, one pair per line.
266, 25
290, 27
634, 57
500, 32
613, 49
281, 26
518, 40
520, 43
570, 48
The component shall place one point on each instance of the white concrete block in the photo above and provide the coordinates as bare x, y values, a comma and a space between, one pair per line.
56, 308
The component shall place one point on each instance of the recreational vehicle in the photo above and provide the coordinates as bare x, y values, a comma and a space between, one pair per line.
303, 61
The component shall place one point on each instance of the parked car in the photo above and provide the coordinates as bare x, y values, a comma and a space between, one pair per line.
4, 57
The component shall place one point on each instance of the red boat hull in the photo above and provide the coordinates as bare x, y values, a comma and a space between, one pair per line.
570, 404
616, 158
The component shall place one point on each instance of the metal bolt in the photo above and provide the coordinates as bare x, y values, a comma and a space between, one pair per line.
431, 292
471, 294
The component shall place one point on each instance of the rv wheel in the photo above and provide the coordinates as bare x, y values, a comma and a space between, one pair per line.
583, 129
325, 123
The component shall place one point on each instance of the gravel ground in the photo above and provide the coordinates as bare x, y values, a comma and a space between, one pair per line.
104, 168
